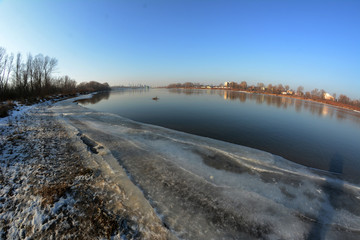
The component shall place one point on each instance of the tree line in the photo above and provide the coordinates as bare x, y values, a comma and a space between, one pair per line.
314, 94
32, 77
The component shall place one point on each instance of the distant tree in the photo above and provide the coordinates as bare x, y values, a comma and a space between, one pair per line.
29, 69
322, 94
4, 61
188, 85
260, 86
300, 91
92, 86
18, 70
48, 68
356, 103
37, 67
344, 99
315, 93
232, 85
279, 88
308, 95
334, 95
287, 87
243, 85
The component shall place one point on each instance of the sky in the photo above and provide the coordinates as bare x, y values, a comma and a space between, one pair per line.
314, 43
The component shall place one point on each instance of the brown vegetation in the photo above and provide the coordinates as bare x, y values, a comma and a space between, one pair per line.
5, 108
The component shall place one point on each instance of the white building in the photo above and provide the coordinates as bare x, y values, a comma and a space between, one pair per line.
226, 84
327, 96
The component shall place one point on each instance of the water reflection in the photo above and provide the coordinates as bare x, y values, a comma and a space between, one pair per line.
95, 98
318, 109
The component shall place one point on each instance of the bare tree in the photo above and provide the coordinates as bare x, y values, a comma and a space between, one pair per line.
315, 93
243, 85
279, 88
3, 63
30, 71
300, 91
322, 94
260, 86
9, 70
18, 70
344, 99
188, 85
37, 67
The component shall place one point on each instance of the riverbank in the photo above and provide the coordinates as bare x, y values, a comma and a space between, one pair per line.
53, 187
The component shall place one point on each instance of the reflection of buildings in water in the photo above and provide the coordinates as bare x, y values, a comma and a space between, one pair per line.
327, 111
230, 95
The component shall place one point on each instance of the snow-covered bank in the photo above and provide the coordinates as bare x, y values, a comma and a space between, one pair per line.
203, 188
51, 187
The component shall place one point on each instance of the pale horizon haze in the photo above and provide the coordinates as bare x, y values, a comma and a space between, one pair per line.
315, 44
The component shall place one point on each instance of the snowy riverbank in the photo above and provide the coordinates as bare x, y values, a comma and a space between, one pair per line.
52, 188
67, 167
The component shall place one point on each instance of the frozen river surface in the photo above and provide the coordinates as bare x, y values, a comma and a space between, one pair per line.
203, 188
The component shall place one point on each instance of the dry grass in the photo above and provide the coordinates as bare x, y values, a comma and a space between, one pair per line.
5, 108
52, 193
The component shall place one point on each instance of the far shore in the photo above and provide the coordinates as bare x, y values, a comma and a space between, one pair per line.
323, 101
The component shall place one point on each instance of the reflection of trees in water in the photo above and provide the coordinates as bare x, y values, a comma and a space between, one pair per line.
340, 115
277, 101
298, 105
133, 90
186, 91
95, 98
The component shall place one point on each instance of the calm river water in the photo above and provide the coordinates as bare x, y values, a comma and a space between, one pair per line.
308, 133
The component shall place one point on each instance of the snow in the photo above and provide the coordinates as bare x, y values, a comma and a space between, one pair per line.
190, 179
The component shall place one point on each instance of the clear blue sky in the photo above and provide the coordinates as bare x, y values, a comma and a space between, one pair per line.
311, 43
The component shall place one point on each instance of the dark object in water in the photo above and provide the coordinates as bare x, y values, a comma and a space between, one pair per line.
155, 98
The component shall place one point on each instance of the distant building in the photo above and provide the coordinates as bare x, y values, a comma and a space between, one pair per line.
226, 84
327, 96
288, 92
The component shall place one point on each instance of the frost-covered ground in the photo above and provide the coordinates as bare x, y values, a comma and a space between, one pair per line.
65, 167
51, 188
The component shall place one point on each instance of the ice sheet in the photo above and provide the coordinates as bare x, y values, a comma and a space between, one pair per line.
208, 189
